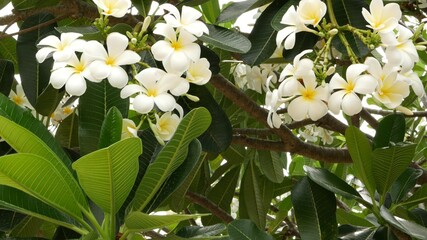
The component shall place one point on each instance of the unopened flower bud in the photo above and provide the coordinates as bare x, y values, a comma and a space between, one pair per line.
330, 71
333, 32
404, 110
420, 47
192, 97
133, 40
146, 24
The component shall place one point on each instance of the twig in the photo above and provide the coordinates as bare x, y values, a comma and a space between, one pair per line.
209, 205
252, 131
369, 118
33, 28
386, 112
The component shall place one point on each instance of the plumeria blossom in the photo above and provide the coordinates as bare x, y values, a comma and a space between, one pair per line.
186, 20
256, 78
152, 91
382, 18
60, 48
311, 11
129, 129
115, 8
61, 112
73, 75
272, 100
301, 68
165, 126
390, 90
19, 97
198, 73
107, 64
310, 101
400, 49
175, 51
346, 95
412, 78
294, 25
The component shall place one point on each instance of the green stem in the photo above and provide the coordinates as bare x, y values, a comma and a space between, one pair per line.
93, 221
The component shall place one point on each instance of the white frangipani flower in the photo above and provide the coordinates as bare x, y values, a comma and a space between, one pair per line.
152, 91
311, 11
73, 75
272, 100
294, 25
310, 101
165, 126
60, 48
175, 51
256, 79
346, 97
107, 64
61, 112
400, 50
382, 18
412, 78
19, 97
198, 72
309, 133
115, 8
186, 20
129, 129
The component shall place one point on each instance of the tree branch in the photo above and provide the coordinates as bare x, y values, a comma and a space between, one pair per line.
209, 205
385, 113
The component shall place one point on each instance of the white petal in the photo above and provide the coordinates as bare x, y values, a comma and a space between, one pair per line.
355, 70
282, 34
59, 77
95, 50
127, 57
298, 109
179, 61
337, 82
143, 104
149, 76
118, 77
192, 51
99, 70
116, 44
317, 109
365, 84
162, 50
43, 53
165, 102
334, 102
290, 41
165, 30
50, 40
181, 89
64, 55
129, 90
76, 85
351, 104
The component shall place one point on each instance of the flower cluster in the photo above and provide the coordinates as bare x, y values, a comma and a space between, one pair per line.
154, 93
304, 86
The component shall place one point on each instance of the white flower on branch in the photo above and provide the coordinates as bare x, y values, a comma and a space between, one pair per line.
19, 97
60, 48
346, 95
107, 64
177, 50
186, 20
294, 25
311, 11
165, 126
198, 73
129, 129
115, 8
152, 91
382, 18
400, 50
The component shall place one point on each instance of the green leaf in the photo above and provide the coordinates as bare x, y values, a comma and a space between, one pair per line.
178, 177
222, 194
171, 156
107, 175
418, 197
226, 39
410, 228
201, 232
24, 141
28, 4
88, 32
8, 219
242, 229
348, 232
404, 184
211, 10
35, 77
138, 221
143, 6
389, 163
271, 165
6, 76
28, 227
390, 129
48, 100
419, 215
263, 36
344, 217
361, 154
93, 107
235, 9
27, 172
217, 138
111, 129
331, 182
314, 210
304, 41
68, 132
275, 23
8, 51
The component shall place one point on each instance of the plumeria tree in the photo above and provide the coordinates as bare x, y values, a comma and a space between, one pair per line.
136, 119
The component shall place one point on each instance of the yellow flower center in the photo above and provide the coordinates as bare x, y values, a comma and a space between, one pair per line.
349, 88
151, 92
110, 61
309, 94
176, 45
67, 110
18, 100
79, 68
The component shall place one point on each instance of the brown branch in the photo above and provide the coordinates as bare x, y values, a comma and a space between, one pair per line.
369, 118
290, 142
252, 131
385, 113
260, 144
209, 205
33, 28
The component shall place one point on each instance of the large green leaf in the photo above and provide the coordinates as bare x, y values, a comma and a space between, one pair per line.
35, 77
275, 23
344, 217
271, 165
107, 175
201, 232
210, 10
6, 76
331, 182
235, 9
171, 156
138, 221
389, 163
93, 107
178, 177
244, 229
263, 36
24, 141
67, 133
219, 134
8, 219
390, 129
418, 197
314, 210
111, 129
412, 229
361, 154
404, 184
349, 232
27, 172
226, 39
143, 6
48, 100
16, 200
8, 51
